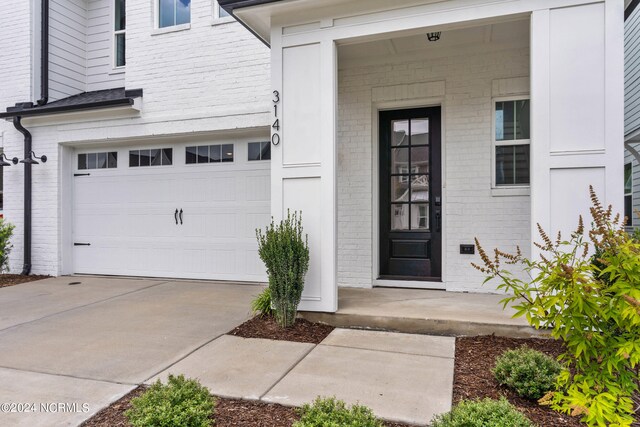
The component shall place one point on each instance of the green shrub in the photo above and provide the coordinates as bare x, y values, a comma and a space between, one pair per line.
261, 305
529, 372
330, 412
593, 305
285, 254
179, 403
6, 231
482, 413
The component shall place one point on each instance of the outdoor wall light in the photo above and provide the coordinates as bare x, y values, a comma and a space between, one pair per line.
4, 160
434, 37
30, 160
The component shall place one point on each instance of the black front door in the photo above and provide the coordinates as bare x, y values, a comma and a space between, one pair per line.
410, 194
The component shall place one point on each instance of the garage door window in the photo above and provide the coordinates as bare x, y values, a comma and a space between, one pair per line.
209, 154
98, 160
259, 151
152, 157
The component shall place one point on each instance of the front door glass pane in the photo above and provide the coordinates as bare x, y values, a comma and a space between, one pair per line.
419, 159
419, 188
399, 133
419, 216
400, 188
419, 131
400, 217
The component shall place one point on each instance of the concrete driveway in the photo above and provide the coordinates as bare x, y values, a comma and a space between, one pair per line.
67, 349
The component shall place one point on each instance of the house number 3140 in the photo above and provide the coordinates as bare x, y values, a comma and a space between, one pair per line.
275, 137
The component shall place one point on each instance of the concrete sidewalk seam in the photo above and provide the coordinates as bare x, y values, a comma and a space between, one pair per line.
183, 357
287, 372
68, 376
83, 306
389, 351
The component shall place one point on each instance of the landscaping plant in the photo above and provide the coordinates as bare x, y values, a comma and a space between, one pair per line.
529, 372
590, 302
482, 413
179, 403
330, 412
261, 305
285, 253
6, 231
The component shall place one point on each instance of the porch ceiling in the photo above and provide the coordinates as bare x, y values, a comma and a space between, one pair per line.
513, 33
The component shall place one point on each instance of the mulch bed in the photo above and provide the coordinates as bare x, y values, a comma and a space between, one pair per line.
475, 358
16, 279
229, 413
266, 327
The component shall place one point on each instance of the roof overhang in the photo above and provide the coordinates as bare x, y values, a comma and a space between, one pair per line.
257, 26
109, 98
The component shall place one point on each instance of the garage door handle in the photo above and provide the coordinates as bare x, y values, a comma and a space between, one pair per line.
180, 216
175, 215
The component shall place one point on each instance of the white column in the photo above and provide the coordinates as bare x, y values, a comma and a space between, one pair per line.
303, 164
577, 113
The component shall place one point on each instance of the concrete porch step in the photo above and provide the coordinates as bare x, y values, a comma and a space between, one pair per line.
420, 311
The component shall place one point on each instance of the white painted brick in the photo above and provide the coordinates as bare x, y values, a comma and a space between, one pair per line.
470, 209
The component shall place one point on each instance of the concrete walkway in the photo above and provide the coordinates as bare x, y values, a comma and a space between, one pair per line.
401, 377
70, 346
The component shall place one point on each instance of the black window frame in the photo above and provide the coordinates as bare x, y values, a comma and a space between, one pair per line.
108, 156
209, 154
146, 157
264, 151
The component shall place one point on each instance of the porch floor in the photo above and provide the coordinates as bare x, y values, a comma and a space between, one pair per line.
422, 311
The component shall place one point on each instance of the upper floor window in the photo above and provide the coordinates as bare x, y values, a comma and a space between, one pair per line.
119, 34
628, 193
173, 12
512, 140
219, 12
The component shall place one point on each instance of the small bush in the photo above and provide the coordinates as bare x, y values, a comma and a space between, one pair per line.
6, 231
529, 372
261, 305
285, 253
482, 413
180, 403
330, 412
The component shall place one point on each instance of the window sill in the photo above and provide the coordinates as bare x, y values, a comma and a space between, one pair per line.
510, 191
119, 70
172, 29
222, 21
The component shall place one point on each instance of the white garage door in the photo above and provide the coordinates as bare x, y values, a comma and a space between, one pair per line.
171, 210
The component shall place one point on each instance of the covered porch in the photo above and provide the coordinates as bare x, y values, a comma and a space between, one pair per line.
421, 311
403, 130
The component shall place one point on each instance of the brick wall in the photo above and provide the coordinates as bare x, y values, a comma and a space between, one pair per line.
471, 209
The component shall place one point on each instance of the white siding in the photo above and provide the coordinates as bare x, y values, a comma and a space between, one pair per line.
67, 48
632, 73
208, 80
100, 73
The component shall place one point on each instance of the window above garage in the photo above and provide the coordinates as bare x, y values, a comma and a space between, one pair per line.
151, 157
209, 154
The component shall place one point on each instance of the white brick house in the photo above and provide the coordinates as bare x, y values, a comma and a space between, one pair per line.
405, 129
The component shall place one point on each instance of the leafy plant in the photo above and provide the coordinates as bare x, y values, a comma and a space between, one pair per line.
285, 254
6, 231
329, 412
590, 302
179, 403
261, 304
482, 413
529, 372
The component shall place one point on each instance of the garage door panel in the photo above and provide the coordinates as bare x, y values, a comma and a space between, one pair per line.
128, 217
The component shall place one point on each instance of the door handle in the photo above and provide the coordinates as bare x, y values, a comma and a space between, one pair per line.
437, 220
180, 216
175, 215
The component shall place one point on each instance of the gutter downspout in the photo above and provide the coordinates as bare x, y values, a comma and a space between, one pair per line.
27, 195
44, 53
